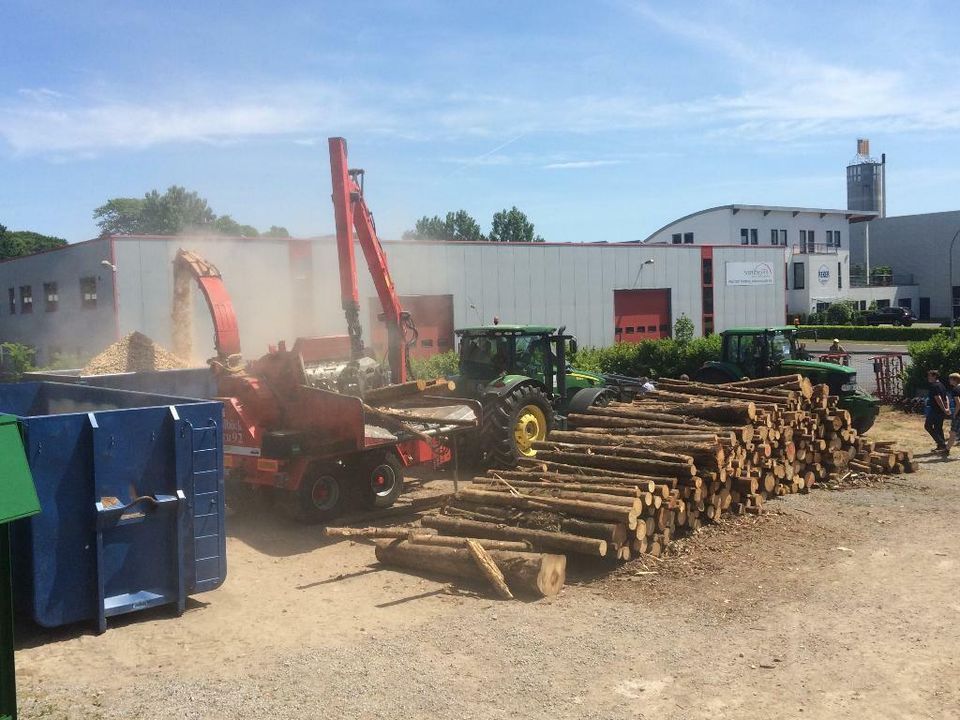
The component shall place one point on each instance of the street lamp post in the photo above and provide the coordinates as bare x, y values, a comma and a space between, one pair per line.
950, 264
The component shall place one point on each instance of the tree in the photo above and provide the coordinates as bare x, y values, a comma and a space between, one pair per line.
458, 225
16, 359
839, 313
683, 330
176, 211
119, 216
512, 226
226, 225
14, 243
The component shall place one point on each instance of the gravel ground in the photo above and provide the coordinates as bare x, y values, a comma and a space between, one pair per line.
836, 604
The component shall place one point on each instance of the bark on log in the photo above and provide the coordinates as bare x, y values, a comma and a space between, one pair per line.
563, 542
579, 508
584, 488
534, 574
489, 569
613, 533
611, 462
421, 538
372, 532
640, 482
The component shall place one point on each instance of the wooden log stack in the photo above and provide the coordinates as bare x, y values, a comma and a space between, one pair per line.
628, 478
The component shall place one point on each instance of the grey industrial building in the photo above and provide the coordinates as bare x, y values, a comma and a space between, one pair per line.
80, 298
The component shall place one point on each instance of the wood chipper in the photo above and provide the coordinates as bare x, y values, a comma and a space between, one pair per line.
18, 499
300, 423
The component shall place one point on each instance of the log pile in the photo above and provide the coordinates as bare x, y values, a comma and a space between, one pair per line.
628, 478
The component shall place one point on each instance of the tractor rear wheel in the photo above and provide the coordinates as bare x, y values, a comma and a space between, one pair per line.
512, 423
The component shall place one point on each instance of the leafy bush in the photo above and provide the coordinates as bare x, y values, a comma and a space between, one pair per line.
437, 366
939, 353
15, 359
866, 332
650, 358
683, 329
840, 313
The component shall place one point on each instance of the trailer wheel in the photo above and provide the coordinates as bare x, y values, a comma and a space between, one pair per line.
321, 496
383, 481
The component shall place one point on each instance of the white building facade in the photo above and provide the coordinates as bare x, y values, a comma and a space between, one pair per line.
282, 289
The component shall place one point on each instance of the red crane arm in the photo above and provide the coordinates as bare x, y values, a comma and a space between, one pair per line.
351, 211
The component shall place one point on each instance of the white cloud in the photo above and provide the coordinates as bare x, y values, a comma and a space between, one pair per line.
580, 164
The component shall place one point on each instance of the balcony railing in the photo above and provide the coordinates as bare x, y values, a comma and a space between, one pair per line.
814, 249
880, 280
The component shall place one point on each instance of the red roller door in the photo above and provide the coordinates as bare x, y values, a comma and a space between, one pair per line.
433, 315
641, 315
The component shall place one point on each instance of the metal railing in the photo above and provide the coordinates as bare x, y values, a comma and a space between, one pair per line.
880, 280
814, 249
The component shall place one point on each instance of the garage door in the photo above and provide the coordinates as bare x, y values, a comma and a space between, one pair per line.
433, 315
641, 315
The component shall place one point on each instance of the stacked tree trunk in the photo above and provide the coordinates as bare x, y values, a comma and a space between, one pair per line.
628, 478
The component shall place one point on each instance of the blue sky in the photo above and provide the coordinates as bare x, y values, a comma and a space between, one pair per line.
601, 120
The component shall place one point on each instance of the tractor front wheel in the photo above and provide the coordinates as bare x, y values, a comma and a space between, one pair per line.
512, 423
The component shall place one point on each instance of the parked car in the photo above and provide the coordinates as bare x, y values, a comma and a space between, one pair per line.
888, 316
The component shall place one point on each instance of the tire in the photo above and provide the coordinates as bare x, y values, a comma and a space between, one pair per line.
511, 422
591, 397
382, 481
712, 376
320, 497
861, 425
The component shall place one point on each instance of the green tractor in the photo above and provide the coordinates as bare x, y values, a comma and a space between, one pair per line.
519, 373
762, 352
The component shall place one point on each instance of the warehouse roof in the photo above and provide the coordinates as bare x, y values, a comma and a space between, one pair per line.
851, 215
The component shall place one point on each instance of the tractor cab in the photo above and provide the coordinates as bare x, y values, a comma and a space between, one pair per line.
762, 352
520, 375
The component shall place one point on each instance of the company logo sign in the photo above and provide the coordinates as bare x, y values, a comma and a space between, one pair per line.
823, 275
749, 273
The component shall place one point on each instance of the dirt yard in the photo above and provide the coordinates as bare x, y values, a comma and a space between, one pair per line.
835, 604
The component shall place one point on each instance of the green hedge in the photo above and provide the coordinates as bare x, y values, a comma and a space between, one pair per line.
940, 353
867, 332
649, 358
438, 366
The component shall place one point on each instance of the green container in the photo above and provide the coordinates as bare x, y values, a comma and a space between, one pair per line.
18, 499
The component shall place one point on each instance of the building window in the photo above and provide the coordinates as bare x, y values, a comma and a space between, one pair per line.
882, 304
783, 238
675, 238
774, 237
798, 276
708, 301
822, 307
905, 303
803, 241
786, 276
811, 242
833, 238
744, 236
51, 295
706, 265
839, 277
26, 299
754, 236
88, 292
12, 299
688, 238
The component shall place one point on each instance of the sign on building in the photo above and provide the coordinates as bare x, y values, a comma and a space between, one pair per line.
823, 275
749, 273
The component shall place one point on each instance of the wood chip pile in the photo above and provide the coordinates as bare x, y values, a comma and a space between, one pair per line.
134, 353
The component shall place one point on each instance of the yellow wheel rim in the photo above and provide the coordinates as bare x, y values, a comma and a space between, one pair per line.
531, 425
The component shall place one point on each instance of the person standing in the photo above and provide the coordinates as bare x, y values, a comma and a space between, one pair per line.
938, 409
953, 390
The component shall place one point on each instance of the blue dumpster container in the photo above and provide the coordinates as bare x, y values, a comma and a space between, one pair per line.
131, 495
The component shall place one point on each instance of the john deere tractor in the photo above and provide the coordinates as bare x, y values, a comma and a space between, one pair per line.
761, 352
520, 375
